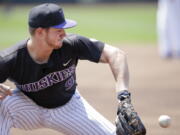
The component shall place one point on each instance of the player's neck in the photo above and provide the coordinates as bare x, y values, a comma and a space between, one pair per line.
38, 53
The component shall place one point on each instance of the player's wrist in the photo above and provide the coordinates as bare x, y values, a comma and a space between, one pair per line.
124, 94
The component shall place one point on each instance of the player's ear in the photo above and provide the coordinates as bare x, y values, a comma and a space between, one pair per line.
40, 32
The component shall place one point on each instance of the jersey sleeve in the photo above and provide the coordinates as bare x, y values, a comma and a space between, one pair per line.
88, 49
5, 66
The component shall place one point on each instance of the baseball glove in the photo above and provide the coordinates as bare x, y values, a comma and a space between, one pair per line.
128, 122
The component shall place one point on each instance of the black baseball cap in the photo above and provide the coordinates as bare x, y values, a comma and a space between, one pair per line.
49, 15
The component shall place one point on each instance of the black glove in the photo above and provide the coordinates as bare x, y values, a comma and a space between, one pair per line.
128, 122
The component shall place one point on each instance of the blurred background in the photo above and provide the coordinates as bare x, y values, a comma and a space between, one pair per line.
112, 21
127, 24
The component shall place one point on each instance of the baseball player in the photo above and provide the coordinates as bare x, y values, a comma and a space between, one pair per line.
43, 68
168, 28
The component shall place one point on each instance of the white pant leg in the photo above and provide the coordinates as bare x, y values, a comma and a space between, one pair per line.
163, 28
18, 111
168, 28
5, 122
77, 117
175, 26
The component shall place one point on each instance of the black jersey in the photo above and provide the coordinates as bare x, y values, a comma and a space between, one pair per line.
51, 84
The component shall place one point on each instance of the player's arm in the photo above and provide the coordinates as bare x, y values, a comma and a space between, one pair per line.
4, 74
117, 61
128, 121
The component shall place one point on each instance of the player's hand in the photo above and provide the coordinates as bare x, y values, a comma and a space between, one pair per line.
5, 91
128, 122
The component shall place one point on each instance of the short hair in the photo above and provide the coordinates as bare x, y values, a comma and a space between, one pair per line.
32, 31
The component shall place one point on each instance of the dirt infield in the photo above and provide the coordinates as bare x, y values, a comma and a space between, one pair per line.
154, 83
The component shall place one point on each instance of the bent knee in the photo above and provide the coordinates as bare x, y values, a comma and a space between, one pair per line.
11, 103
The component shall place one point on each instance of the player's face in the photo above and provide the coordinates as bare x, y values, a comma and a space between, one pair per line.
54, 37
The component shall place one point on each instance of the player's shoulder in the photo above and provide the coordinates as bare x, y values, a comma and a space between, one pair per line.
74, 38
13, 50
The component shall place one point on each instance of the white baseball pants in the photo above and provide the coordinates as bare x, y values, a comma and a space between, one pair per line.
77, 117
168, 27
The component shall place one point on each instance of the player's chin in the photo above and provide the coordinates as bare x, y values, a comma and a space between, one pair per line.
58, 45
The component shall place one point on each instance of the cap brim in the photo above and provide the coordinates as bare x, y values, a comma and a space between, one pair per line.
67, 24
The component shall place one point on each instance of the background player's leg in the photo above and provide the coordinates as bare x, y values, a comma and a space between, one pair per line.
163, 29
78, 118
175, 27
18, 111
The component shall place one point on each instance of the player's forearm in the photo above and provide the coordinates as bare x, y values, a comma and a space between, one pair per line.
118, 64
119, 67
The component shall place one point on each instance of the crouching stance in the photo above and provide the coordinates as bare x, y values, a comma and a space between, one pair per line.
43, 68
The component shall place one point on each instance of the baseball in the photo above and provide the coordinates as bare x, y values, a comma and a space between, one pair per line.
164, 121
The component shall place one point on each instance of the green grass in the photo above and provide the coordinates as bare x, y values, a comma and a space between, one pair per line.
114, 24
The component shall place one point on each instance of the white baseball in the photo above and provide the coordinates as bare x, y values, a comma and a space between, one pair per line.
164, 121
